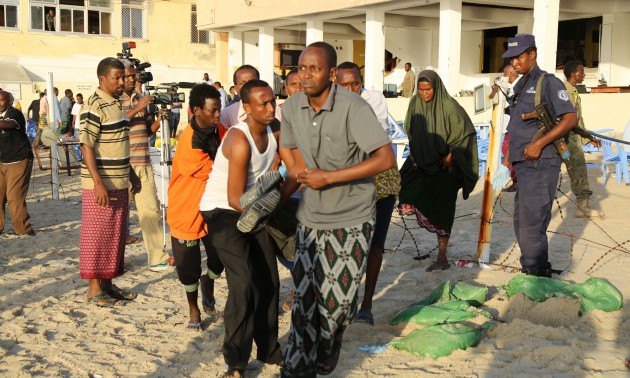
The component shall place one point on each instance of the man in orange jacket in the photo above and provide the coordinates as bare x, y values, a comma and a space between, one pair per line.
192, 165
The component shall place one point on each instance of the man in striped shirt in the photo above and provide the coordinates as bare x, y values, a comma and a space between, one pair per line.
145, 198
105, 177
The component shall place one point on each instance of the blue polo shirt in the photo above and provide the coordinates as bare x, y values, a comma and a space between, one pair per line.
554, 96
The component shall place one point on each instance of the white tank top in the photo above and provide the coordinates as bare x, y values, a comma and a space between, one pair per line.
216, 193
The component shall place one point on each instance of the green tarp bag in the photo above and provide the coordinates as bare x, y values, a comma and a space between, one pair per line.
439, 340
594, 294
475, 295
438, 313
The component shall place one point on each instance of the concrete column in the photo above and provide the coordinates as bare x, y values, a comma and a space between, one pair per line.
546, 14
265, 53
525, 28
374, 49
450, 43
235, 51
605, 48
314, 31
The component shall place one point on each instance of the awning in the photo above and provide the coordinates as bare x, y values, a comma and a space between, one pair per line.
11, 72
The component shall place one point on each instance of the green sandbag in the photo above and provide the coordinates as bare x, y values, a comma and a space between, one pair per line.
439, 340
439, 313
594, 294
475, 295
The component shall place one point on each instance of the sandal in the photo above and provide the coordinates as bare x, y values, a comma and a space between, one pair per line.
438, 266
207, 302
329, 364
234, 373
286, 306
132, 240
365, 316
118, 293
103, 300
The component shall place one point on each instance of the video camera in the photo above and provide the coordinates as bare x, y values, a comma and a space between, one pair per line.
143, 76
166, 93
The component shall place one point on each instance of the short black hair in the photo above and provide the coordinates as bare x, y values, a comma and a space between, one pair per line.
571, 67
292, 72
408, 64
247, 88
108, 64
79, 95
349, 66
329, 51
68, 91
245, 67
200, 93
218, 84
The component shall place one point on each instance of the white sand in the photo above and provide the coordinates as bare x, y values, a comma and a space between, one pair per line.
47, 329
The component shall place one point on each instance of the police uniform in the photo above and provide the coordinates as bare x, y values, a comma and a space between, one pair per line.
537, 179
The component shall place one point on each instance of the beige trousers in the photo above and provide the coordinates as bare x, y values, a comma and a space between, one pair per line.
149, 215
14, 180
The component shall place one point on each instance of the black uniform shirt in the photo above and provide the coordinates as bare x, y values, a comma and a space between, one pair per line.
14, 144
554, 96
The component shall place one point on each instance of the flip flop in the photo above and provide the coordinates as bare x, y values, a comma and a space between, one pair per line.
194, 326
103, 300
232, 371
286, 306
132, 240
118, 293
365, 316
329, 364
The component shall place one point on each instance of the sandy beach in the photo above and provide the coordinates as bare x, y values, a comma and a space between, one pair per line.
47, 329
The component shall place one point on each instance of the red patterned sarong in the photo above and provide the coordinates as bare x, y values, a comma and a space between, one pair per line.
103, 232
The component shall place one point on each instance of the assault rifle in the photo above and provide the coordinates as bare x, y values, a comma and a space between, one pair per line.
545, 124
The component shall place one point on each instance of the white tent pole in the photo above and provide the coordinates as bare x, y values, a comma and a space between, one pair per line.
52, 120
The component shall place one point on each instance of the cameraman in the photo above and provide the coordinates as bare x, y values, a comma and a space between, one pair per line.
145, 196
175, 110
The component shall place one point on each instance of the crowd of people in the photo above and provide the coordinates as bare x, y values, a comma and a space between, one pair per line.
241, 160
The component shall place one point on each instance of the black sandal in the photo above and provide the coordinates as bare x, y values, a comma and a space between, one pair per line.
118, 293
231, 371
103, 300
329, 364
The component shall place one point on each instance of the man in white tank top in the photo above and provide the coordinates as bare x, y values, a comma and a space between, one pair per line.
251, 313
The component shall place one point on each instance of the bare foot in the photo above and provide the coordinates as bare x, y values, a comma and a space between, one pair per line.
439, 265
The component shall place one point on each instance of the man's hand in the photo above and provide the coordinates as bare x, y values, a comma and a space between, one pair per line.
101, 197
313, 178
276, 162
533, 151
596, 143
134, 180
144, 101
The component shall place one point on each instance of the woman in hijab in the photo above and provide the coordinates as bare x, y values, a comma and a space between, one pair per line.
442, 159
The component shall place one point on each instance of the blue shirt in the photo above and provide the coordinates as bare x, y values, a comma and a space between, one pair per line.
554, 96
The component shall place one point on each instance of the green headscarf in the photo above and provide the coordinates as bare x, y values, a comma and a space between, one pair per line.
438, 127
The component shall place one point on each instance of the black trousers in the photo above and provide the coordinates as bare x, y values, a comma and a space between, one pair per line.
187, 254
535, 192
251, 311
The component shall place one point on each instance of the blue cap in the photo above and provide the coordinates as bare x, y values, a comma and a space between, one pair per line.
518, 45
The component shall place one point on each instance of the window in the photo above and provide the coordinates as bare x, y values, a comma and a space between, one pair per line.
72, 16
9, 14
132, 19
199, 36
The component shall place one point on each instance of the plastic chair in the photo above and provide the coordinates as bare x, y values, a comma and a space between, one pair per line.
612, 157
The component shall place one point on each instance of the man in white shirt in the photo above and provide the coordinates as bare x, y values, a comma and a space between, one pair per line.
76, 112
234, 113
387, 185
206, 79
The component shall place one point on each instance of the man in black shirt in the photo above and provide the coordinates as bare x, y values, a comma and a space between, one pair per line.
16, 164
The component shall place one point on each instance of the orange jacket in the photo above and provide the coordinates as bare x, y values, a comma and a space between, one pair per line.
190, 171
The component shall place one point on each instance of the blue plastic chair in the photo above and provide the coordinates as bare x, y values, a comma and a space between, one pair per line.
613, 157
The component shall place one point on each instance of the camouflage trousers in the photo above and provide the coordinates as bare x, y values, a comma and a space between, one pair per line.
579, 182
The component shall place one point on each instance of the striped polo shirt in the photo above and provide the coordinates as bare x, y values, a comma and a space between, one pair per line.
138, 134
105, 127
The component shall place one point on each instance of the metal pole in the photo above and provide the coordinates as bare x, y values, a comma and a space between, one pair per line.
54, 151
489, 195
166, 160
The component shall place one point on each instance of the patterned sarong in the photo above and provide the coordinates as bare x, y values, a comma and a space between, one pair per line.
103, 232
327, 272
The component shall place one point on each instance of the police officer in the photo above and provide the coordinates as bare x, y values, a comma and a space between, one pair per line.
537, 164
